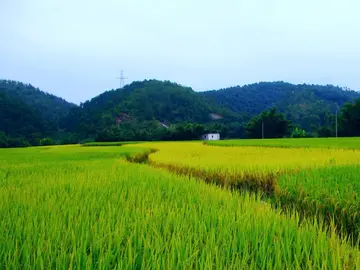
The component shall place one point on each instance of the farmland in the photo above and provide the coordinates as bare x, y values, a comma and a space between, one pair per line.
316, 181
351, 143
89, 207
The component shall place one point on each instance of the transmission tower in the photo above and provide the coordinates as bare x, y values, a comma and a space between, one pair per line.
121, 79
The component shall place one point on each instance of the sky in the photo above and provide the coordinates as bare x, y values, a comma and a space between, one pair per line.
76, 49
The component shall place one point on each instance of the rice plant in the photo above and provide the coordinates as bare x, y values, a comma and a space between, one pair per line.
62, 209
332, 192
347, 143
107, 143
322, 182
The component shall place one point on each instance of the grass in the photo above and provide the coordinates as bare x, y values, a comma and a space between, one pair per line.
60, 209
347, 143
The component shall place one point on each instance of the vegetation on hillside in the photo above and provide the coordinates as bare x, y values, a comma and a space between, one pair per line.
19, 123
269, 124
29, 115
142, 111
309, 106
50, 107
350, 119
162, 110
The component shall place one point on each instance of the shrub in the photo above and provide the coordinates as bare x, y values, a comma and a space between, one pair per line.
47, 141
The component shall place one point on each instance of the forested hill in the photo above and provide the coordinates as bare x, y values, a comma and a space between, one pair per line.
162, 110
149, 100
18, 120
51, 108
306, 105
27, 114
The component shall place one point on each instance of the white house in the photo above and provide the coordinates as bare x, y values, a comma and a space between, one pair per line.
211, 137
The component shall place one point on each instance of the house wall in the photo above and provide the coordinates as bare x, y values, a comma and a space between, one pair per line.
211, 136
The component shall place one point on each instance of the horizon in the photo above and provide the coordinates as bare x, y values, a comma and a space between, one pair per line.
231, 86
75, 50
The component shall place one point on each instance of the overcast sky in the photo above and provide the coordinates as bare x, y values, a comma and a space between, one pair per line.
76, 48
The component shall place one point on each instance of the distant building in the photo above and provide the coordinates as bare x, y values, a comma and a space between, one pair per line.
211, 137
215, 116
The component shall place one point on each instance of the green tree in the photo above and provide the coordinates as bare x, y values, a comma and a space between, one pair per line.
4, 141
299, 133
47, 141
325, 131
350, 119
305, 105
270, 123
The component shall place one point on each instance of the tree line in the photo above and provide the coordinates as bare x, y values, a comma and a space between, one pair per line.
268, 124
161, 110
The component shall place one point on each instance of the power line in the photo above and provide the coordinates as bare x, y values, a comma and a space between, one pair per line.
121, 79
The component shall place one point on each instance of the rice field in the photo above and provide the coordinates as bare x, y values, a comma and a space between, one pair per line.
89, 208
251, 167
322, 182
107, 143
351, 143
249, 158
330, 192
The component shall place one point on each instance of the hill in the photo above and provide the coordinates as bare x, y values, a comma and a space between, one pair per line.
51, 108
18, 121
28, 114
147, 101
310, 106
163, 110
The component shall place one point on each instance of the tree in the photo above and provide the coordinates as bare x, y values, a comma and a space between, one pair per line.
305, 105
234, 130
325, 131
4, 141
17, 142
350, 119
46, 141
187, 131
271, 123
298, 133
